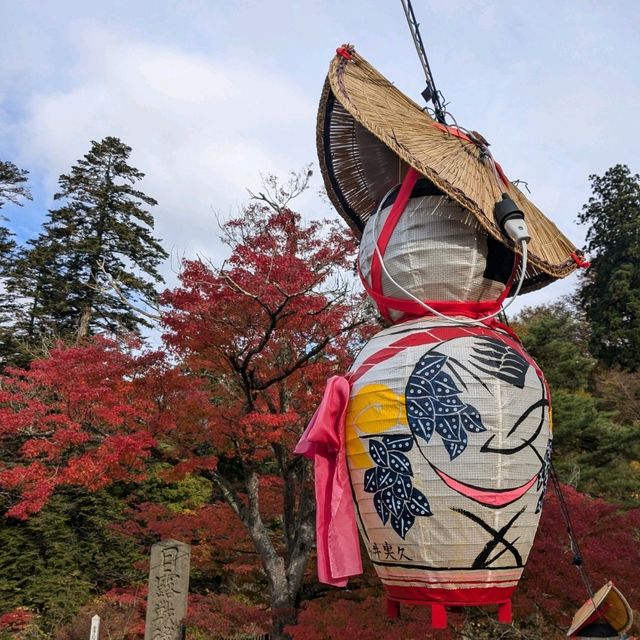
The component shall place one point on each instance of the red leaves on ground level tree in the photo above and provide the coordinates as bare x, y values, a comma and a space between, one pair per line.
74, 418
261, 335
15, 620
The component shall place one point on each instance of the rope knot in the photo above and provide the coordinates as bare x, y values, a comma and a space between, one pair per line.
346, 51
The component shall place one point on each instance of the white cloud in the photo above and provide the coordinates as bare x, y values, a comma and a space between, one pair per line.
209, 94
201, 129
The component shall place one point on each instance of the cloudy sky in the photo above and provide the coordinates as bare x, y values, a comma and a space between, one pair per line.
211, 93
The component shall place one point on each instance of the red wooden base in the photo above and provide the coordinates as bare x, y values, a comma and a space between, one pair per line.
440, 600
438, 616
393, 609
504, 612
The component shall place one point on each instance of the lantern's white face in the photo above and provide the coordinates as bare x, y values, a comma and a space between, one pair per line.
448, 444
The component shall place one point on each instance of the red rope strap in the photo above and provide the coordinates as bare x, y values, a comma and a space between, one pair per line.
390, 223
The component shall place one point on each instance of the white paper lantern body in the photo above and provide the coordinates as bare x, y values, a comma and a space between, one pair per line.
448, 446
437, 252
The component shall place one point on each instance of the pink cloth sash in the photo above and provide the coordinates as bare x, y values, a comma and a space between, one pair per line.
323, 442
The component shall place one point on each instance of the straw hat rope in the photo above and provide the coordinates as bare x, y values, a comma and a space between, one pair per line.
369, 133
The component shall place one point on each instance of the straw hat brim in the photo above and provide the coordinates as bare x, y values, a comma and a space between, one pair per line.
369, 133
614, 609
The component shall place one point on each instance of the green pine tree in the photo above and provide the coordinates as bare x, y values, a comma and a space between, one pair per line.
60, 558
593, 448
557, 337
101, 231
12, 189
594, 452
610, 290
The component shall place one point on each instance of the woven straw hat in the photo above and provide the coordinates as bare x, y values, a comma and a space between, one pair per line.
607, 604
369, 133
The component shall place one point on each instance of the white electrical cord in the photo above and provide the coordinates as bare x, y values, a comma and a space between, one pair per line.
424, 305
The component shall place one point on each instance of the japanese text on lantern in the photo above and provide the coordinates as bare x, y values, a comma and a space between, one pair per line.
168, 590
388, 551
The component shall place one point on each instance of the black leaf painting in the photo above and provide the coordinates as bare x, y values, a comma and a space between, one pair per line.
395, 498
433, 403
499, 360
543, 476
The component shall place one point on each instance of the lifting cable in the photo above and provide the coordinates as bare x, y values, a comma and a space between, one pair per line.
573, 541
430, 93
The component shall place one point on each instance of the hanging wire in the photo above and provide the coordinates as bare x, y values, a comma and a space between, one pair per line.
573, 541
433, 95
430, 93
518, 182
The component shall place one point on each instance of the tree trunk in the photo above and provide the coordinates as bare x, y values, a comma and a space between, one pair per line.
285, 576
83, 324
283, 595
91, 284
283, 613
286, 584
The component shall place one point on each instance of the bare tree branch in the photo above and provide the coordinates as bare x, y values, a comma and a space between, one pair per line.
114, 286
230, 496
277, 197
308, 355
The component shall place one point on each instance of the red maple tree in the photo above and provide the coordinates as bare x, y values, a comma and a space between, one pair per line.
74, 418
248, 349
260, 336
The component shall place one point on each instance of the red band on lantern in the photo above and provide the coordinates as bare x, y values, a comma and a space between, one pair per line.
450, 597
390, 223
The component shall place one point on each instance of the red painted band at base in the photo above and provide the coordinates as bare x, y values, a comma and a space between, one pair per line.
449, 597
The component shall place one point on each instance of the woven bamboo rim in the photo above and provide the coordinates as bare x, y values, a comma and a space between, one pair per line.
369, 132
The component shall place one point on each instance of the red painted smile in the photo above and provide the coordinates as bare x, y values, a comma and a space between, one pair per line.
493, 498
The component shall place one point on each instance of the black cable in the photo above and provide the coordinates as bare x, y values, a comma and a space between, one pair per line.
430, 93
573, 541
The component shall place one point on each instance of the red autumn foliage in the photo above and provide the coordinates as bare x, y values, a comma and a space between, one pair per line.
122, 613
225, 616
16, 620
362, 615
260, 330
74, 418
219, 548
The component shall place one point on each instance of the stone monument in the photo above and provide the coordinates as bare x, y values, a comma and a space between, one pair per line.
168, 590
95, 628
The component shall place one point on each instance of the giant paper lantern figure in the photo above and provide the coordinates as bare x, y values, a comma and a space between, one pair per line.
436, 444
447, 444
